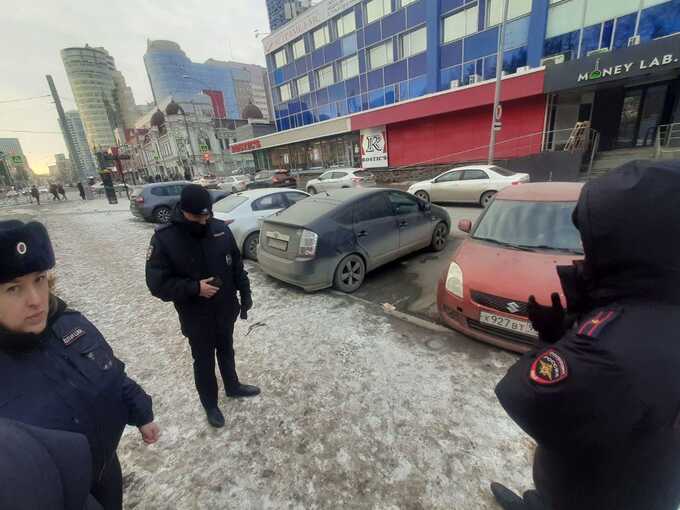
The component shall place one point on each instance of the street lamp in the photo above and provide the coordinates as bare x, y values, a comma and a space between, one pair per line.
497, 108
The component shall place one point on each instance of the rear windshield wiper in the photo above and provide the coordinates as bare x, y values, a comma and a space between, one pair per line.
505, 245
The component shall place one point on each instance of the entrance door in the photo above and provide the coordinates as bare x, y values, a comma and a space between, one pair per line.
643, 110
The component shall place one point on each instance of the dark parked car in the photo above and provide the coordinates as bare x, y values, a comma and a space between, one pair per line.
335, 238
283, 179
154, 202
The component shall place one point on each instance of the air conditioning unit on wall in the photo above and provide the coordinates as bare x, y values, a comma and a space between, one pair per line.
454, 84
556, 59
598, 52
634, 41
475, 78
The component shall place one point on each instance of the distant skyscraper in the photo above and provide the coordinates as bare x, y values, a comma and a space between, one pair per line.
100, 92
64, 168
282, 11
172, 73
82, 147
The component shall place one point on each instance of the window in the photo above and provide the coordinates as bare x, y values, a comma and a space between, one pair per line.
516, 9
404, 3
403, 204
321, 37
280, 58
461, 24
303, 85
299, 48
275, 201
474, 175
325, 77
347, 24
381, 55
372, 208
376, 9
338, 175
285, 92
414, 42
449, 177
349, 68
228, 204
293, 197
326, 176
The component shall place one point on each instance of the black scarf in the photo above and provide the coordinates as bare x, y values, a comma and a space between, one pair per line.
25, 342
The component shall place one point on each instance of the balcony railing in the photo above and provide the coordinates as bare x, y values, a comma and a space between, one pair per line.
668, 140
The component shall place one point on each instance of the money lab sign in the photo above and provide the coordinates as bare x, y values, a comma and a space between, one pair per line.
648, 58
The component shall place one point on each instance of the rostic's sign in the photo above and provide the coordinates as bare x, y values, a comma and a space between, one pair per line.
248, 146
374, 148
647, 58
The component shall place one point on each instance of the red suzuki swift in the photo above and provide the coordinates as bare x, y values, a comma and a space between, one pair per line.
512, 253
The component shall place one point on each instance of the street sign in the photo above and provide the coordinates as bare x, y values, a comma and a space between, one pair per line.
17, 160
498, 114
497, 126
203, 147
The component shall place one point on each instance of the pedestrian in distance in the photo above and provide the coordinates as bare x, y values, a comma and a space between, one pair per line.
194, 262
601, 397
35, 193
61, 190
56, 369
55, 192
42, 468
81, 190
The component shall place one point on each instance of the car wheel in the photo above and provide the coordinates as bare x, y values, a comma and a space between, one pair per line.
439, 236
350, 274
250, 246
423, 195
486, 198
311, 190
162, 214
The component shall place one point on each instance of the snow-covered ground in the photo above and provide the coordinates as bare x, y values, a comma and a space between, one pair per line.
358, 410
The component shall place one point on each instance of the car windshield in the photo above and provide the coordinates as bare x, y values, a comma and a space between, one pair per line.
503, 171
532, 226
228, 204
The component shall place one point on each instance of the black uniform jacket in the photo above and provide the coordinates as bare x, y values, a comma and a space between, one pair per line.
177, 260
72, 381
603, 402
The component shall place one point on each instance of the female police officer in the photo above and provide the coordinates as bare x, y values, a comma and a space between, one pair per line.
56, 369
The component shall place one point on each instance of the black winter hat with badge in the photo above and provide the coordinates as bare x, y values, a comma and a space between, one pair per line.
24, 248
195, 199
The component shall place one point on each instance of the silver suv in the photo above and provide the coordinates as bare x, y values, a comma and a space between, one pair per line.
155, 202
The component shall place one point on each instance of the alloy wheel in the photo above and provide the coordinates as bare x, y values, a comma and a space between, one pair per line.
439, 237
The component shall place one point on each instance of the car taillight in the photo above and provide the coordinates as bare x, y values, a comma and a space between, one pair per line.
516, 183
357, 179
308, 243
139, 200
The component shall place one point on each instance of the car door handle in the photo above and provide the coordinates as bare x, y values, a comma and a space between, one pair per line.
363, 233
403, 223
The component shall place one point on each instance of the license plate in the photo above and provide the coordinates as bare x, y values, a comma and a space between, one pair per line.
501, 321
277, 244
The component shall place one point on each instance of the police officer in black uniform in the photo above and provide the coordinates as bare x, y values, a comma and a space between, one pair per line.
56, 369
195, 263
602, 396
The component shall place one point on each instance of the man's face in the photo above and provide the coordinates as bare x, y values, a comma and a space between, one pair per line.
24, 303
197, 218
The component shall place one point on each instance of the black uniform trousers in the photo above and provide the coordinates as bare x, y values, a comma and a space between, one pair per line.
108, 490
204, 349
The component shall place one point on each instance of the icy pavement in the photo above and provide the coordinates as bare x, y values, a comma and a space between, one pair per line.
358, 410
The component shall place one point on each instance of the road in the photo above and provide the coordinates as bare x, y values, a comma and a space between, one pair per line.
359, 410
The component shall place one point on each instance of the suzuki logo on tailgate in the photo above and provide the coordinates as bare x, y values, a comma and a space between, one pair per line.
513, 307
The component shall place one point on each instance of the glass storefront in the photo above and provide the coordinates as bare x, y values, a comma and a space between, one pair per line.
333, 152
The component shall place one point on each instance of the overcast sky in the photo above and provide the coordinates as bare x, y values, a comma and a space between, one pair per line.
34, 31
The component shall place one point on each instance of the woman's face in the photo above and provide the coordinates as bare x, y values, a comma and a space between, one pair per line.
24, 303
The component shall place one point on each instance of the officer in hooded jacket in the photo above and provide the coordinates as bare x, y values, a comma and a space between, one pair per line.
602, 396
195, 263
56, 369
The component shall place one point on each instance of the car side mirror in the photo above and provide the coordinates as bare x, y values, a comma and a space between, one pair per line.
465, 226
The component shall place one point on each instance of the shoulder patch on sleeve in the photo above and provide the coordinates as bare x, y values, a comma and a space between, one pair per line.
548, 368
594, 326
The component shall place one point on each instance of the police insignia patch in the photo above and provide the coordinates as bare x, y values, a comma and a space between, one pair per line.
550, 367
594, 326
149, 252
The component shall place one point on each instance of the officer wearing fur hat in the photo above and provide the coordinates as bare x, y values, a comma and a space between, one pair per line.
56, 369
195, 263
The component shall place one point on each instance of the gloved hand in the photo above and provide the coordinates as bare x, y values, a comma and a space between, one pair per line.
549, 321
246, 305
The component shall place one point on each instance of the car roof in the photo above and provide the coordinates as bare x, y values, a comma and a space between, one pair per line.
542, 192
169, 183
254, 194
347, 194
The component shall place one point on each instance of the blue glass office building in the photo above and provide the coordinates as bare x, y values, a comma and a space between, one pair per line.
345, 57
172, 73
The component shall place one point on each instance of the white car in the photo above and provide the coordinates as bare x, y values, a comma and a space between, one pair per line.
235, 183
341, 178
473, 184
244, 211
